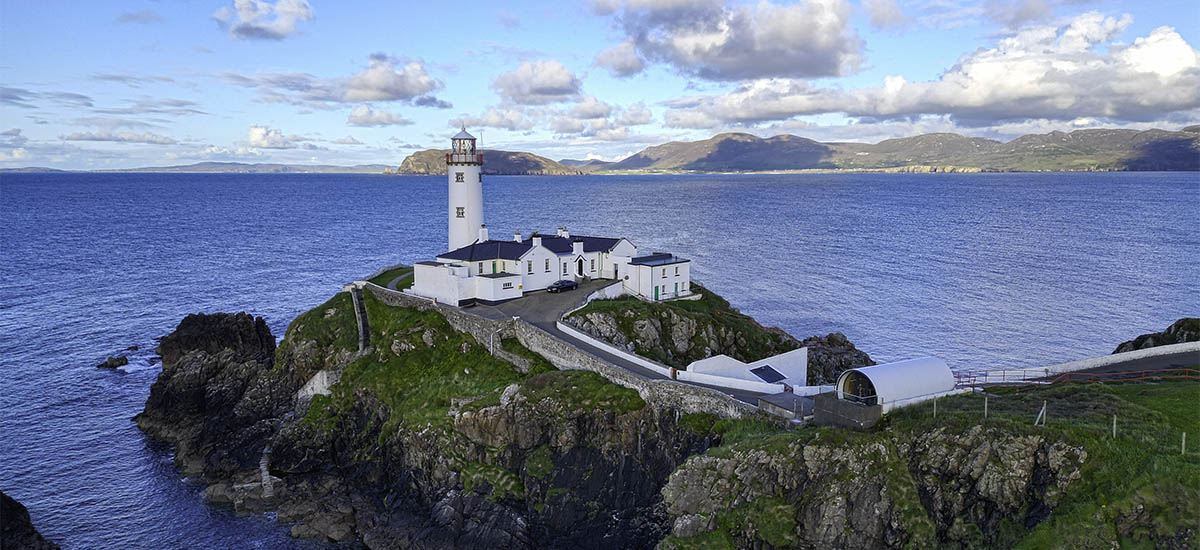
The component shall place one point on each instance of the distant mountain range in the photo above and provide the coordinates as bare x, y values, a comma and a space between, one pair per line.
1101, 149
236, 168
433, 161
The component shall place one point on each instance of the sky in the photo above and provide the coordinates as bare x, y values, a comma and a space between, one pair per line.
99, 85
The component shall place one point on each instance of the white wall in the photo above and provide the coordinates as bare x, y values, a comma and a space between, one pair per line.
493, 289
540, 278
468, 195
436, 281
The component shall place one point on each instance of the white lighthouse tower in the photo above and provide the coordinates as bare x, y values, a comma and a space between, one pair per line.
464, 170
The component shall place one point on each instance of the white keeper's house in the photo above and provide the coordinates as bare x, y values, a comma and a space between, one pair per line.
477, 269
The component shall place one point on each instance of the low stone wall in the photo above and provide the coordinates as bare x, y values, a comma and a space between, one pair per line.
682, 397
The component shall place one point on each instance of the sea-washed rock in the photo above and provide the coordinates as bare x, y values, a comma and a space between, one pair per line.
16, 528
114, 362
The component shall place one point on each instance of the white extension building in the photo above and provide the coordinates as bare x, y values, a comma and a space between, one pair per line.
477, 269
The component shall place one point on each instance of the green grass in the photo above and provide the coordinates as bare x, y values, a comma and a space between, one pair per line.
537, 363
386, 277
755, 341
1141, 469
581, 390
330, 326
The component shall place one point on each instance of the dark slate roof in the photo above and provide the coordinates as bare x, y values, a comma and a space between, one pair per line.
659, 258
429, 263
463, 135
488, 250
562, 245
512, 250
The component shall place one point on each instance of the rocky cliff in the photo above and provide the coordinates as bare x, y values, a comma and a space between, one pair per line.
16, 529
508, 163
680, 332
1186, 329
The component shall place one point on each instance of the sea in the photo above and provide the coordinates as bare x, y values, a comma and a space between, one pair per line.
982, 270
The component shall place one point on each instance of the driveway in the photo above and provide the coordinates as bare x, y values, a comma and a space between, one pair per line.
543, 309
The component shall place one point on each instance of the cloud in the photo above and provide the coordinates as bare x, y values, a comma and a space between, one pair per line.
121, 137
636, 115
262, 137
508, 20
885, 13
707, 39
21, 97
506, 119
1058, 73
366, 116
621, 60
385, 79
1014, 13
129, 79
12, 138
597, 120
348, 140
538, 83
262, 20
142, 17
158, 106
20, 153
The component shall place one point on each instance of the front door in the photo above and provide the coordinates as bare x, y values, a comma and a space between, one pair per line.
655, 293
579, 271
493, 266
677, 289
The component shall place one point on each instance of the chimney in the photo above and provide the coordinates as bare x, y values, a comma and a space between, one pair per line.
483, 232
564, 232
517, 236
537, 239
577, 247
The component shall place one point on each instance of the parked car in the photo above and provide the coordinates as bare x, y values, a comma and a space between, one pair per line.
559, 286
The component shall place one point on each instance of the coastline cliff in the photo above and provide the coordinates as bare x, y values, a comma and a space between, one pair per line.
427, 440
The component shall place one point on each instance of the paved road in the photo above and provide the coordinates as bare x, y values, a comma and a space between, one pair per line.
543, 309
1181, 360
392, 285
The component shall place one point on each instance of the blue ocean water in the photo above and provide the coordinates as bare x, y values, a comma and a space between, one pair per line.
983, 270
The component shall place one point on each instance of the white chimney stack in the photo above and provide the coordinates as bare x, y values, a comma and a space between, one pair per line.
565, 234
537, 239
517, 236
577, 247
483, 236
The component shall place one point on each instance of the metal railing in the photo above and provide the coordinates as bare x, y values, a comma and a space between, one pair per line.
991, 379
868, 400
452, 158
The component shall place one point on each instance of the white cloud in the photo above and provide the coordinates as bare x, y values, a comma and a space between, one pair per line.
366, 116
538, 83
1058, 73
636, 115
385, 79
263, 137
260, 19
506, 119
621, 60
20, 153
142, 17
716, 42
885, 13
348, 140
120, 137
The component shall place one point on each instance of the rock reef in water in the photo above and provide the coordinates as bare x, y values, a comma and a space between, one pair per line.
16, 528
1186, 329
114, 362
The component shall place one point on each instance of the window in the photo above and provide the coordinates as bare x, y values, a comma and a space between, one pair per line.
460, 212
507, 285
547, 265
564, 269
676, 271
458, 177
481, 177
480, 267
664, 273
529, 266
593, 265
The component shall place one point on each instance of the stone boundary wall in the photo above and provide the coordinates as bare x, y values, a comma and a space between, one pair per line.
684, 398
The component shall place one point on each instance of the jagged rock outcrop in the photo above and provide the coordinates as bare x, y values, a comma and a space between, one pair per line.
16, 528
831, 354
217, 398
942, 488
528, 472
1186, 329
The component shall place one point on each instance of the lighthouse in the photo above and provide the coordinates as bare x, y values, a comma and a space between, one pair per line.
464, 172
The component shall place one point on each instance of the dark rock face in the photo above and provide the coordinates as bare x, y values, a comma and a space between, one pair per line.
16, 529
829, 355
583, 478
1186, 329
217, 399
113, 362
940, 489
